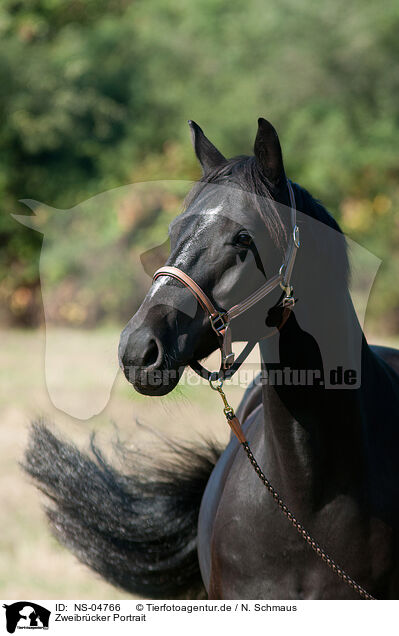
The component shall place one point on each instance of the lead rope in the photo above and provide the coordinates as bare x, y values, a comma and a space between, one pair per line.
238, 432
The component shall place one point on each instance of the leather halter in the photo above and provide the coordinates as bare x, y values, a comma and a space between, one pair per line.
220, 320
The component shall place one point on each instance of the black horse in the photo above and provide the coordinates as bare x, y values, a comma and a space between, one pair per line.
329, 446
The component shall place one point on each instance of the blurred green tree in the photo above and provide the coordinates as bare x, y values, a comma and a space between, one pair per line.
96, 93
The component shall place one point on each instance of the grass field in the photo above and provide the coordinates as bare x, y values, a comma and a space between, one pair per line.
32, 564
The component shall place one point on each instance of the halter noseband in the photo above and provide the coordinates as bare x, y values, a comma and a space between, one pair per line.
220, 320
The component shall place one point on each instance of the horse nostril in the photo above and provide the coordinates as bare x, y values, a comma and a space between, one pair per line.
151, 355
126, 363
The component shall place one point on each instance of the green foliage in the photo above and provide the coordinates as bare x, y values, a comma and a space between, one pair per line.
96, 94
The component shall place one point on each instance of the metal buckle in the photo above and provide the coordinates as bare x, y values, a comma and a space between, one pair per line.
228, 360
218, 322
287, 289
295, 236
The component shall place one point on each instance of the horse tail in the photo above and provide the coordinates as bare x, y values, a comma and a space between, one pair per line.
136, 527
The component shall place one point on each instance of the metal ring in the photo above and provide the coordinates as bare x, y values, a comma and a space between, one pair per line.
218, 380
289, 301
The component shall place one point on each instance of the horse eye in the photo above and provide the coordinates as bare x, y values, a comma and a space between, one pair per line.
243, 239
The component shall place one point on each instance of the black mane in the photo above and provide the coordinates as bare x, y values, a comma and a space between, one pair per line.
243, 172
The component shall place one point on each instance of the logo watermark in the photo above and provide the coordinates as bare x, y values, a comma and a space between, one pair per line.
80, 270
26, 615
249, 374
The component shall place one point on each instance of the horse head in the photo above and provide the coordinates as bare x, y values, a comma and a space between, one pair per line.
230, 238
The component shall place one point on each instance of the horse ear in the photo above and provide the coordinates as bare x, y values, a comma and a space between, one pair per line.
268, 153
208, 156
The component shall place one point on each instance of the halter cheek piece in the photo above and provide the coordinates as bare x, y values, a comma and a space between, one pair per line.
220, 320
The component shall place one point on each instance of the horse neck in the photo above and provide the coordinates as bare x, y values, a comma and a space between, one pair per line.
311, 433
